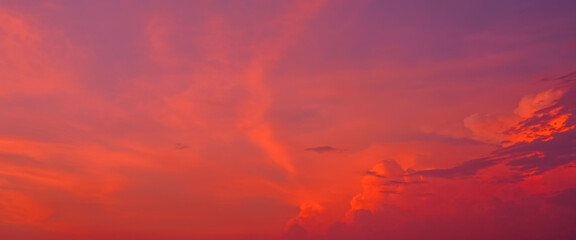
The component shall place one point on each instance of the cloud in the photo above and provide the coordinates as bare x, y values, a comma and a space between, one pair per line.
537, 116
479, 198
554, 133
466, 169
306, 219
379, 184
542, 156
19, 207
95, 109
569, 77
375, 174
322, 149
180, 146
543, 140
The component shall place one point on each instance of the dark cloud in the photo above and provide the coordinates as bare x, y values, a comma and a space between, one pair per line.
551, 154
322, 149
465, 169
180, 146
433, 137
535, 158
375, 174
568, 77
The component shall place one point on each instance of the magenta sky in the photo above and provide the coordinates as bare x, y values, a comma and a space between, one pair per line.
312, 119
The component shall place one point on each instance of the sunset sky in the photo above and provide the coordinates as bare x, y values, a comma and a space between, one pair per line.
287, 119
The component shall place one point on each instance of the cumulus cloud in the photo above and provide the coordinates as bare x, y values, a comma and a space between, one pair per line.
296, 227
377, 185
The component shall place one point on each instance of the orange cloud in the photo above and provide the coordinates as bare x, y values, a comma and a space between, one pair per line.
508, 130
380, 186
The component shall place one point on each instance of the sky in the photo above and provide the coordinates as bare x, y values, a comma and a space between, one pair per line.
296, 119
